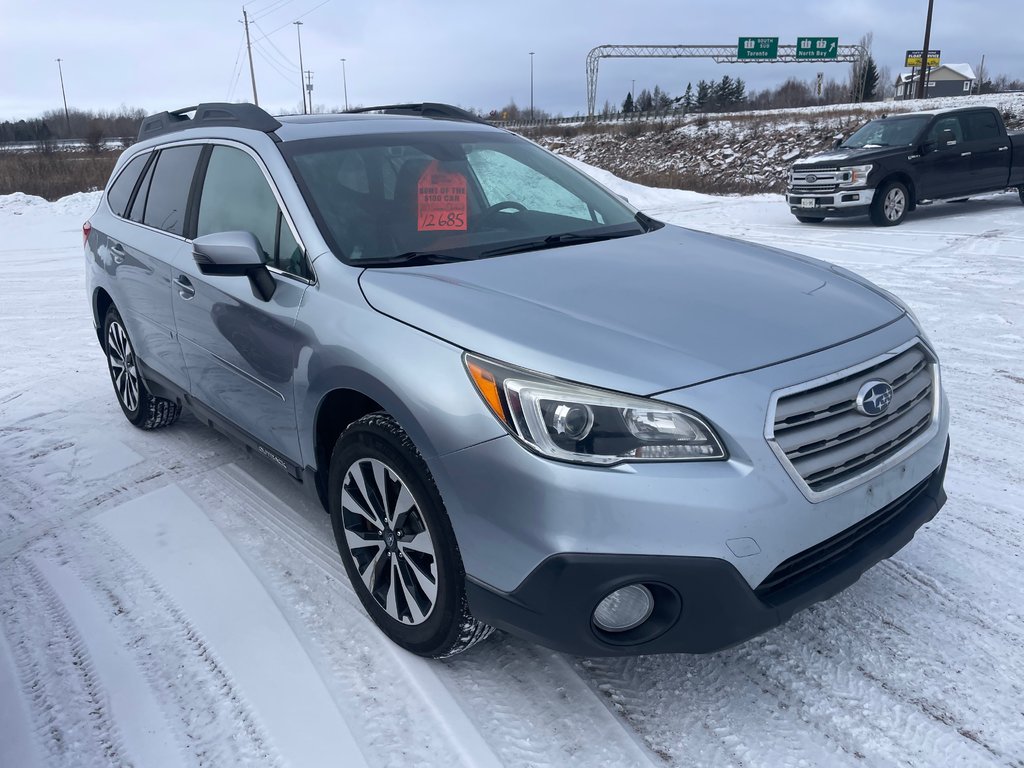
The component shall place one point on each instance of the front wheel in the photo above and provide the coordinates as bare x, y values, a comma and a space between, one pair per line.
141, 408
396, 541
890, 205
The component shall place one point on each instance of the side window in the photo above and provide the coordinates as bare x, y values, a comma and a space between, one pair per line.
237, 197
139, 206
169, 188
504, 178
121, 190
982, 126
952, 123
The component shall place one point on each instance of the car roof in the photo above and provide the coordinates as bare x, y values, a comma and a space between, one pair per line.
298, 127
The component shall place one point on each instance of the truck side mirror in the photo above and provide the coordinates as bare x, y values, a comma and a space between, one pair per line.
836, 141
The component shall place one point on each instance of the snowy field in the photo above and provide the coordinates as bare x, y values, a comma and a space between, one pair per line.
166, 601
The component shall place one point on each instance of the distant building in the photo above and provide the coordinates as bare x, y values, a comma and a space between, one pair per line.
943, 80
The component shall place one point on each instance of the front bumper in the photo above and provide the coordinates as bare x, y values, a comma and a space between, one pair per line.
702, 604
844, 202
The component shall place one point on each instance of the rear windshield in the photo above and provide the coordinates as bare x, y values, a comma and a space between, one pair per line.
452, 195
887, 132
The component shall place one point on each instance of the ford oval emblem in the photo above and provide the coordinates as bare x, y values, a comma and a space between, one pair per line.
874, 397
811, 178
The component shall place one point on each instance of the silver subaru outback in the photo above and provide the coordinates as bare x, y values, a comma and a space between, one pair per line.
524, 404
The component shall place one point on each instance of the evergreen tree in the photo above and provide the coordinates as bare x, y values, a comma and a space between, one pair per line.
644, 102
627, 104
688, 102
739, 92
703, 94
870, 79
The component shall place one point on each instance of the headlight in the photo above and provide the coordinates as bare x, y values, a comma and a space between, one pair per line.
854, 175
575, 423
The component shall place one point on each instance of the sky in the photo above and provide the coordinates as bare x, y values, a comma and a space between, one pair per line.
164, 55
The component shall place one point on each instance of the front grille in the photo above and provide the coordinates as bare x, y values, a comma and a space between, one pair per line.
826, 441
814, 181
811, 562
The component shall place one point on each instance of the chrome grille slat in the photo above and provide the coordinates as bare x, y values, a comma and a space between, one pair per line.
803, 405
850, 423
826, 441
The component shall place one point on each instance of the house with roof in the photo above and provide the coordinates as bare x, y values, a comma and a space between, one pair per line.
943, 80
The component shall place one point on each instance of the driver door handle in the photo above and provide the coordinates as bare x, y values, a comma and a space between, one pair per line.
185, 289
965, 154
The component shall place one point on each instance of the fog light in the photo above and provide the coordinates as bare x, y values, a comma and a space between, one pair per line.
624, 609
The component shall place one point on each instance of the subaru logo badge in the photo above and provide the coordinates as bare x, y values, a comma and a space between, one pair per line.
811, 178
874, 397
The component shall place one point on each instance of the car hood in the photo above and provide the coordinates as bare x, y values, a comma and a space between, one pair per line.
641, 314
836, 157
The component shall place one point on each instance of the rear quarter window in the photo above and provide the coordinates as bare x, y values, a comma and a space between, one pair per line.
120, 191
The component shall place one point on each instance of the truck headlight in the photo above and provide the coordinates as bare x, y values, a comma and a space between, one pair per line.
854, 175
586, 425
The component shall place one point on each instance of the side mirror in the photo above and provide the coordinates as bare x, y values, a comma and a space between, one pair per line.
836, 141
929, 146
235, 254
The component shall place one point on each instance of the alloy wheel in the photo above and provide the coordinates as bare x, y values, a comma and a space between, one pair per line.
123, 365
388, 541
894, 204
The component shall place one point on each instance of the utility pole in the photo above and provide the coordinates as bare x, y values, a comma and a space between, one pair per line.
344, 83
532, 113
248, 44
924, 53
67, 115
981, 73
302, 85
309, 89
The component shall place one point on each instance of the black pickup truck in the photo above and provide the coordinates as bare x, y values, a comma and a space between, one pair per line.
892, 164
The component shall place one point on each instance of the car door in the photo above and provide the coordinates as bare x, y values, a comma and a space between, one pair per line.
143, 248
944, 170
989, 148
241, 351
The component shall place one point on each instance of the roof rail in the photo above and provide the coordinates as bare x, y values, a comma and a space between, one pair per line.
234, 115
426, 109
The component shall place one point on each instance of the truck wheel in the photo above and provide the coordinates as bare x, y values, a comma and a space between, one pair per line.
890, 205
1020, 191
396, 541
809, 219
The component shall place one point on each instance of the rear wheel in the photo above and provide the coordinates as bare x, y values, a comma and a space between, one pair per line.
890, 205
396, 541
141, 408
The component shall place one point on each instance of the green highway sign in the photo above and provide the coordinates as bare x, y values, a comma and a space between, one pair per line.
817, 47
757, 48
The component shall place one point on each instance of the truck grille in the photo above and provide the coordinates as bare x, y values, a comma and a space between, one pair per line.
814, 181
819, 433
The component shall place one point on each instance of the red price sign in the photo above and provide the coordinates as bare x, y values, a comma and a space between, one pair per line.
441, 200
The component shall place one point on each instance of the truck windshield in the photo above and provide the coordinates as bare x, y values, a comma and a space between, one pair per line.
418, 198
887, 132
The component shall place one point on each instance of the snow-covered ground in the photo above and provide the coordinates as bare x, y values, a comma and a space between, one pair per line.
165, 600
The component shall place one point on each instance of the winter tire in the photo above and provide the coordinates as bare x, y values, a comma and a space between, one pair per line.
396, 541
140, 407
890, 205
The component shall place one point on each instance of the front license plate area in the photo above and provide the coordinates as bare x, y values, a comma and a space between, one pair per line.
808, 202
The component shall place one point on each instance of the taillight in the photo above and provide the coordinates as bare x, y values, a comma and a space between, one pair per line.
86, 229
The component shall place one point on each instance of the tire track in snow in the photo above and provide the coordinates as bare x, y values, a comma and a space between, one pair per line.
143, 729
208, 582
491, 689
57, 676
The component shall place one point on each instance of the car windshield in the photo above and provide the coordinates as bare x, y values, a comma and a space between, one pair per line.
887, 132
426, 197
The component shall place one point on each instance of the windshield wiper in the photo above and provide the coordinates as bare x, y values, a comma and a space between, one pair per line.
556, 241
410, 259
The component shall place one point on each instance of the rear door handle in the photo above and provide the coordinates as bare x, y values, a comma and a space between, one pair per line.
1003, 149
118, 253
185, 289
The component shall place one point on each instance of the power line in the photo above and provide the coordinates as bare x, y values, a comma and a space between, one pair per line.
277, 6
236, 69
278, 29
283, 57
273, 64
